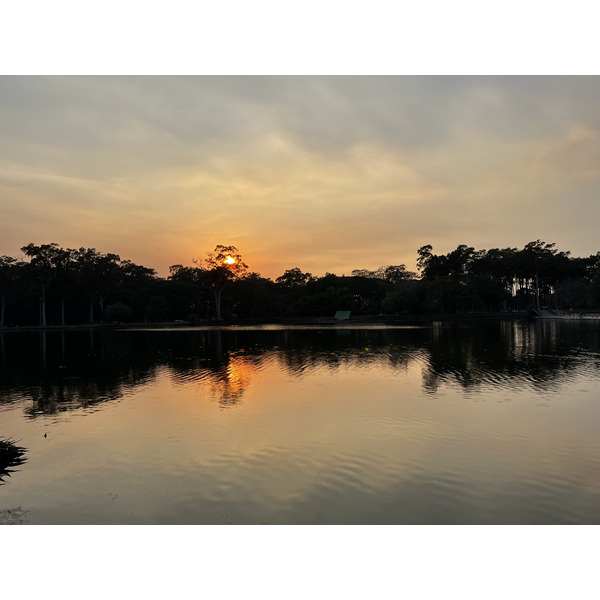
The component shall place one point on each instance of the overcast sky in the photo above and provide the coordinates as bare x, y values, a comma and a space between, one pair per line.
328, 174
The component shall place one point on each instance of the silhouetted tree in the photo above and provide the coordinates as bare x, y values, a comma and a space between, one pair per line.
424, 254
97, 273
8, 279
64, 277
395, 273
192, 290
157, 308
42, 269
255, 296
119, 312
293, 278
61, 283
404, 297
289, 287
390, 273
221, 266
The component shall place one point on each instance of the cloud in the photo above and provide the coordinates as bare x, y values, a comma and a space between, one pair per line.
577, 155
327, 173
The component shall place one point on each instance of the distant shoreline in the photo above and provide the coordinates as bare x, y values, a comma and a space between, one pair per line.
358, 319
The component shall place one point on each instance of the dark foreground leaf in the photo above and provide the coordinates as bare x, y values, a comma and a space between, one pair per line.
11, 456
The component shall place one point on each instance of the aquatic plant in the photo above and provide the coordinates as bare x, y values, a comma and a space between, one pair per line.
11, 455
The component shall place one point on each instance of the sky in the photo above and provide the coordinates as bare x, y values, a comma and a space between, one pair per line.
324, 173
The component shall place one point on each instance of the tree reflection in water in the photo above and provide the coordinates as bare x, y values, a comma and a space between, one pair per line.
58, 371
509, 353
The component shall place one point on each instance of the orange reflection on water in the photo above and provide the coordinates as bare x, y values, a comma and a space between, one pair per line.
230, 381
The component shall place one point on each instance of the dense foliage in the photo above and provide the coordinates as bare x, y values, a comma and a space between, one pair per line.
50, 285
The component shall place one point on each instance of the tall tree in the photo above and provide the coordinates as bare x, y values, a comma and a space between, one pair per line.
221, 266
98, 273
64, 276
193, 295
42, 268
424, 254
8, 276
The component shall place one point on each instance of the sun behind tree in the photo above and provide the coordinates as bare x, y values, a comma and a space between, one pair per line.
228, 257
222, 265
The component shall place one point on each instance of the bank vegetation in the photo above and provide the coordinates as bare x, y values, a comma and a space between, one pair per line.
53, 286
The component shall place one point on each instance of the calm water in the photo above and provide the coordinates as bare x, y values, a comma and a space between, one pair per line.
453, 423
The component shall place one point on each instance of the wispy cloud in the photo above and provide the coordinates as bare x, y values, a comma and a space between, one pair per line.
327, 173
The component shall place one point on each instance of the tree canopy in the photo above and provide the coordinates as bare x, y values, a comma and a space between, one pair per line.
51, 285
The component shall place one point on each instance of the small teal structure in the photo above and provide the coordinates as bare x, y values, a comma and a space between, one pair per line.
342, 315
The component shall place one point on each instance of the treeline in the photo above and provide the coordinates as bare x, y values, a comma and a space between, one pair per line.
508, 279
51, 285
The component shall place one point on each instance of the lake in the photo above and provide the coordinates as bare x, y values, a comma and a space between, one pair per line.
480, 422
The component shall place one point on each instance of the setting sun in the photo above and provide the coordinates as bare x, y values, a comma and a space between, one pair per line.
229, 260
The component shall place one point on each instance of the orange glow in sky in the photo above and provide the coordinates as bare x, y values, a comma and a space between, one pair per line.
323, 173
